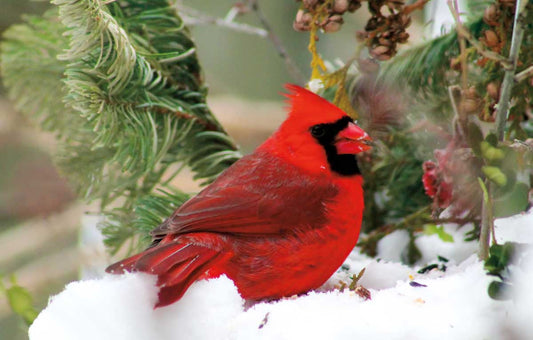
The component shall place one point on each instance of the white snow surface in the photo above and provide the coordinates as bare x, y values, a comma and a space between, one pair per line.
452, 305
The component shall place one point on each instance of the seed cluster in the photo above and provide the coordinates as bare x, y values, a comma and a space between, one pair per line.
331, 19
499, 17
385, 29
383, 32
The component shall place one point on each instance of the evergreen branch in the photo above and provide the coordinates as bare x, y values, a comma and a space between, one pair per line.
135, 104
425, 68
33, 76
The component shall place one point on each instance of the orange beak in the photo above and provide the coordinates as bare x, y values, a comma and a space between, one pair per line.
352, 140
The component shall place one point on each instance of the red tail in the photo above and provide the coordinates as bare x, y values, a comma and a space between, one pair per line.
177, 266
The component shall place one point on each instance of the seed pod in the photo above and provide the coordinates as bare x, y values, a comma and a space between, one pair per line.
396, 4
372, 24
491, 39
310, 4
307, 18
405, 20
402, 37
381, 53
341, 6
334, 24
385, 42
493, 90
332, 27
300, 27
491, 15
300, 15
336, 18
354, 5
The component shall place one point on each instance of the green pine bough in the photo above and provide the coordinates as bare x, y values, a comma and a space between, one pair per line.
121, 87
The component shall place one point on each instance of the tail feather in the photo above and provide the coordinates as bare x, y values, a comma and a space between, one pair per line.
126, 265
173, 290
177, 266
179, 273
159, 261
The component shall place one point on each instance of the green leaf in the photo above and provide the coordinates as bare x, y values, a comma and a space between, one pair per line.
500, 256
512, 202
484, 189
432, 229
20, 301
500, 291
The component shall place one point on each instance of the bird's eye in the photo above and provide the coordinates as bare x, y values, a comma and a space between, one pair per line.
318, 131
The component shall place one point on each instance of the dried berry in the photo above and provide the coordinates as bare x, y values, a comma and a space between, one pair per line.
493, 90
333, 25
310, 4
341, 6
491, 15
354, 6
381, 53
491, 39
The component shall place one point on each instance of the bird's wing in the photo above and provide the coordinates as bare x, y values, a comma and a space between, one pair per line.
261, 195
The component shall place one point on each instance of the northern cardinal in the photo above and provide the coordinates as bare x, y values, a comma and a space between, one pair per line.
278, 222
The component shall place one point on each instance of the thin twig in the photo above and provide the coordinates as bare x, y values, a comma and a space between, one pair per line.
462, 47
192, 17
461, 30
419, 4
502, 111
528, 72
293, 69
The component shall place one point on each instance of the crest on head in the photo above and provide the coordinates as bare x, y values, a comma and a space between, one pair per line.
309, 108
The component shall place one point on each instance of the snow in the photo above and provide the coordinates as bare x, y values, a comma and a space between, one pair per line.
444, 305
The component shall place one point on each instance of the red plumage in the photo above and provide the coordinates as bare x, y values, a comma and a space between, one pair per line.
278, 222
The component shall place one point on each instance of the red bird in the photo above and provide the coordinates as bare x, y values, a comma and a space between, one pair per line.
278, 222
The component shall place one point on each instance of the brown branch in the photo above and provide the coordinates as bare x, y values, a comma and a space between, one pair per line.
528, 72
377, 234
462, 47
208, 126
480, 47
408, 9
192, 17
502, 110
293, 69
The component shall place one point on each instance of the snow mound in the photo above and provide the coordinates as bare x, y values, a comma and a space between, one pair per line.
405, 304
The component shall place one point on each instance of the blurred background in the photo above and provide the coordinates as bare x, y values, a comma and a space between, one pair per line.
40, 218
